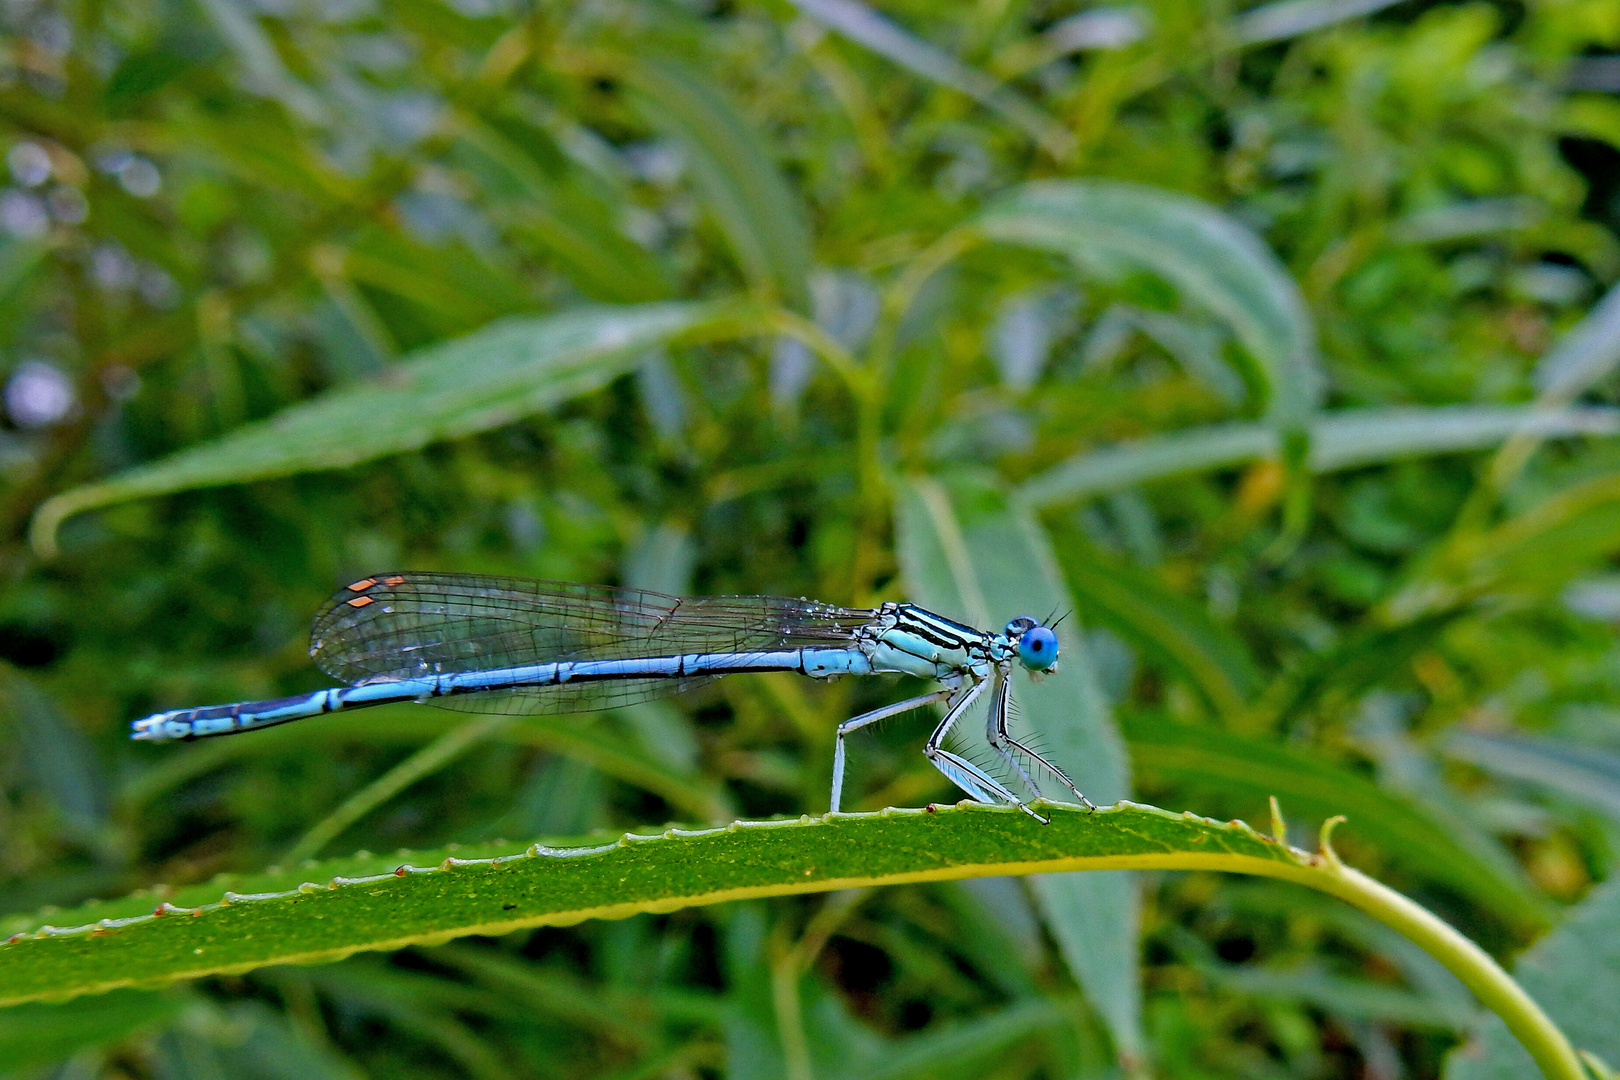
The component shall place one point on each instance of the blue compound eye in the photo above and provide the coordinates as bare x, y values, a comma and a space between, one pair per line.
1038, 648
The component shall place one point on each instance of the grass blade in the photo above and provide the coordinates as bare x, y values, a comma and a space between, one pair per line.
1172, 628
562, 214
1286, 19
1583, 774
958, 1049
1534, 553
1584, 355
1335, 994
39, 1033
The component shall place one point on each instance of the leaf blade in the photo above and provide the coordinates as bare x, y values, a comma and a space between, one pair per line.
762, 218
1209, 257
507, 370
362, 903
1340, 440
867, 27
1178, 631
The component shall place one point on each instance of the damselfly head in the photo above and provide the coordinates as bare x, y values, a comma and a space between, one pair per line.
1037, 645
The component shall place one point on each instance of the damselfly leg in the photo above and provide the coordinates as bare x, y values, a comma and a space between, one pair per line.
962, 772
863, 720
1004, 744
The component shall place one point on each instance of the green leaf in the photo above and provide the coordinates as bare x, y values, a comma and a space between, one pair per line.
574, 224
246, 1039
324, 911
1284, 19
867, 27
1306, 784
1574, 972
760, 215
19, 262
262, 64
961, 548
1585, 355
1531, 554
1359, 999
58, 760
1359, 661
499, 374
1344, 440
1169, 626
1583, 774
450, 287
37, 1033
964, 1049
1212, 259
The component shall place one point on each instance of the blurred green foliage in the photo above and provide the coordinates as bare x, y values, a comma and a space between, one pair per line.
1242, 414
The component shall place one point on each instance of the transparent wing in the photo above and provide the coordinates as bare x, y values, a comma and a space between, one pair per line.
407, 625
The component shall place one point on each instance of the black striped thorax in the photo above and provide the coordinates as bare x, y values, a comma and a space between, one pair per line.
909, 639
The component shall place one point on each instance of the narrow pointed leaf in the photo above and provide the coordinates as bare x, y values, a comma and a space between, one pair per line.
1284, 19
863, 25
1583, 774
328, 910
572, 222
1534, 553
1588, 353
1173, 629
760, 216
325, 911
964, 1049
489, 378
42, 1032
1343, 440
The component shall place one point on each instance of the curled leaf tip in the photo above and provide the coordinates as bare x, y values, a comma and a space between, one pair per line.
1324, 843
42, 529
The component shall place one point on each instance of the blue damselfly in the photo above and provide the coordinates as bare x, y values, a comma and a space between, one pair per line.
495, 644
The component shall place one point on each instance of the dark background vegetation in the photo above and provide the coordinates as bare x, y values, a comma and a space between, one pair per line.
217, 208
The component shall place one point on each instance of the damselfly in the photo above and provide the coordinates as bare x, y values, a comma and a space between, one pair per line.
495, 644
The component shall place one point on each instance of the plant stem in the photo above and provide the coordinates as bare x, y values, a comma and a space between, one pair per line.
1494, 987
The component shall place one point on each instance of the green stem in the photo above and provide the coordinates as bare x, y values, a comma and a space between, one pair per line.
828, 348
1494, 987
